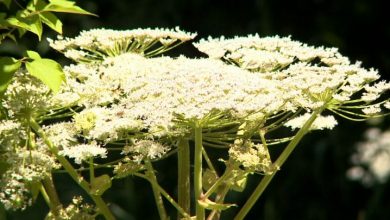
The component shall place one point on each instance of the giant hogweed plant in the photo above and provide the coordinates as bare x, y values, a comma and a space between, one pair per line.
124, 106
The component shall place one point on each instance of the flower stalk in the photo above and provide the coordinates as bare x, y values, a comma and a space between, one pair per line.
198, 189
278, 163
102, 206
184, 185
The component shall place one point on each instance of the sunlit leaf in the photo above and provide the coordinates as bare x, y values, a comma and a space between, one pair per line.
31, 23
32, 54
65, 6
48, 71
8, 66
51, 21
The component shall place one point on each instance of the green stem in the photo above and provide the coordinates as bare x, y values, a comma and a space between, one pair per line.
184, 185
49, 188
200, 212
218, 183
278, 163
103, 209
91, 171
166, 195
156, 192
219, 199
208, 161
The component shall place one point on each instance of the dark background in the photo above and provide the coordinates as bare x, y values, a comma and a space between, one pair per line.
312, 184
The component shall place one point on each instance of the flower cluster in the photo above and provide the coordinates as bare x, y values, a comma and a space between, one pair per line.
97, 44
372, 158
75, 210
26, 168
119, 95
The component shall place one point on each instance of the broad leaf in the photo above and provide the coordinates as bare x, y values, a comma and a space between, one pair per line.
8, 67
100, 184
65, 6
48, 71
31, 23
32, 54
51, 21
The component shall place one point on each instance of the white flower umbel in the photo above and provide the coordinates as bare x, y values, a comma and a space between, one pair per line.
84, 152
252, 157
97, 44
268, 53
321, 122
10, 134
14, 193
26, 96
372, 158
151, 92
25, 167
62, 134
145, 149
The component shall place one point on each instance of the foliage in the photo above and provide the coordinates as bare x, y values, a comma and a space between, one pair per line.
31, 18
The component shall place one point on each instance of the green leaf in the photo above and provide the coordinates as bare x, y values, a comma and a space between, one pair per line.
100, 184
48, 71
8, 67
51, 21
31, 23
65, 6
7, 3
36, 5
210, 205
32, 54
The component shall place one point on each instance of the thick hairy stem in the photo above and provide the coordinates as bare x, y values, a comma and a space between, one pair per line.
278, 163
184, 185
102, 206
200, 211
156, 192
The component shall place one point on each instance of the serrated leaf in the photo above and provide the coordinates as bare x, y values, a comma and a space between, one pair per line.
31, 23
8, 66
48, 71
65, 6
7, 3
51, 21
32, 54
100, 184
210, 205
35, 5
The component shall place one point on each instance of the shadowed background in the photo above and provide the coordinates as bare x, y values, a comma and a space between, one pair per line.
312, 184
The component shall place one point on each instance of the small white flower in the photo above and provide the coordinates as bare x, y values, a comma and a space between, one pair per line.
320, 123
145, 149
84, 152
